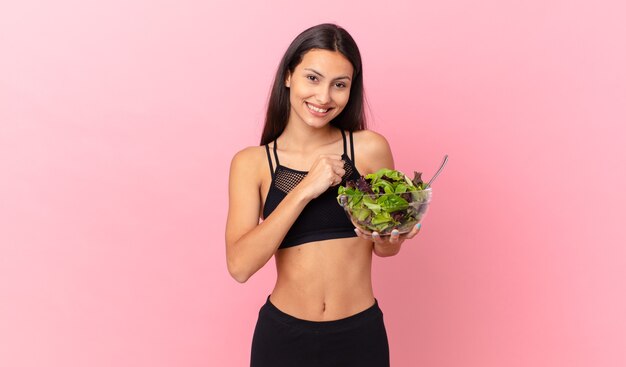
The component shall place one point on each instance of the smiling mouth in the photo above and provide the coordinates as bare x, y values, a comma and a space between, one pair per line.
317, 109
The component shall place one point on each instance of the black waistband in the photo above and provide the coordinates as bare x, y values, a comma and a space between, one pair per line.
355, 320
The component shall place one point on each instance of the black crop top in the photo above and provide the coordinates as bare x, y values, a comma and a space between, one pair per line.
322, 218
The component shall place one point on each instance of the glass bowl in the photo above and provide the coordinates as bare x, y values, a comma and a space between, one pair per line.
385, 212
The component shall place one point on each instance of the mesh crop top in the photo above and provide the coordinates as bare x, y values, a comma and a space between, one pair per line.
322, 218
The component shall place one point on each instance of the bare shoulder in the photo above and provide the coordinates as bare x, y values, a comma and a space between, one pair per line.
370, 140
372, 151
247, 161
252, 153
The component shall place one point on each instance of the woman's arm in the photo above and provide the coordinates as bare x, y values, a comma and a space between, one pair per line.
376, 154
250, 245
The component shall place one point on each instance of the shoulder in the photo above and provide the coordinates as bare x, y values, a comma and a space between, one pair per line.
248, 160
250, 153
368, 139
253, 154
372, 150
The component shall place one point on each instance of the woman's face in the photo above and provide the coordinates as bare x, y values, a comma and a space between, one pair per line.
319, 87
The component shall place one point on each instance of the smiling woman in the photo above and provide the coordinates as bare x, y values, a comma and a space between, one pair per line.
317, 99
322, 310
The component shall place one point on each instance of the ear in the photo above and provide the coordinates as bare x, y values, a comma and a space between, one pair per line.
288, 80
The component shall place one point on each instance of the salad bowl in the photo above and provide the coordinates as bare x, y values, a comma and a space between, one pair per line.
383, 213
384, 201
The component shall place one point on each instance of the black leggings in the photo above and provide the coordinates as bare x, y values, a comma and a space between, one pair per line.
281, 340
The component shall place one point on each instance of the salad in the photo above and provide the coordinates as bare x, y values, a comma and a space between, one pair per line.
384, 200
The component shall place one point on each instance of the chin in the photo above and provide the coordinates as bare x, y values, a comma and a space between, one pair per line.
317, 123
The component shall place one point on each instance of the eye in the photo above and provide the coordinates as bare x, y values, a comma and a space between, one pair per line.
312, 78
340, 85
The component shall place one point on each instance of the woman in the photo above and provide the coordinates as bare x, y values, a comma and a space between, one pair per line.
322, 311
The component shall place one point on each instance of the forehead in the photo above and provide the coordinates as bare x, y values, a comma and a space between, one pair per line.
330, 62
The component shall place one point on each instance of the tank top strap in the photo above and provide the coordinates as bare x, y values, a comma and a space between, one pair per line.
275, 154
269, 160
351, 147
343, 135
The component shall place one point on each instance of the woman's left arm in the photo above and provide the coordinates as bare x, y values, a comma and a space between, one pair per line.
375, 153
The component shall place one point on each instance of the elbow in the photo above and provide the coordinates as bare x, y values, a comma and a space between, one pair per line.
240, 277
239, 274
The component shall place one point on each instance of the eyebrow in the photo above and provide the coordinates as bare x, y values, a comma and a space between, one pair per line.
320, 74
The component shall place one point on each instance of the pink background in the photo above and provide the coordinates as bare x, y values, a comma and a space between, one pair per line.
118, 121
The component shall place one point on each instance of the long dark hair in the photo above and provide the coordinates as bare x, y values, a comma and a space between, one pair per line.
325, 37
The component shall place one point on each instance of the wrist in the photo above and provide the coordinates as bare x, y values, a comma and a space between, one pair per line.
300, 195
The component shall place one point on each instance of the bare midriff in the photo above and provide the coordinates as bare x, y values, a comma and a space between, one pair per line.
324, 280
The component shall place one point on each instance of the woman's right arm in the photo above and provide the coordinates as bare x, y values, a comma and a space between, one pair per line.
250, 245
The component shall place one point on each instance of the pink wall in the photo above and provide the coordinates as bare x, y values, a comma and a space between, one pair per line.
118, 120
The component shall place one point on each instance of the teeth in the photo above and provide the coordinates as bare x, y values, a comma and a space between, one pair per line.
317, 109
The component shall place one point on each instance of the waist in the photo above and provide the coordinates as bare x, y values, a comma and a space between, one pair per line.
324, 281
340, 321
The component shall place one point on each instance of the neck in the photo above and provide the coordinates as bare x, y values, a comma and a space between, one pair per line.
306, 138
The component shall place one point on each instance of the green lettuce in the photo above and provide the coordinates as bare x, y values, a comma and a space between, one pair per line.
384, 200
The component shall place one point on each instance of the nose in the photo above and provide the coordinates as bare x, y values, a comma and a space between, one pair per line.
323, 95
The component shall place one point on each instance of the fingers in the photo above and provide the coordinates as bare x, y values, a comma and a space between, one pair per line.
337, 177
374, 236
339, 169
334, 160
336, 165
414, 231
377, 238
327, 171
394, 238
